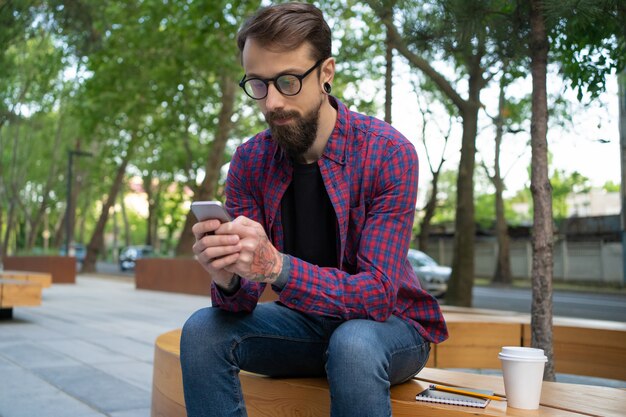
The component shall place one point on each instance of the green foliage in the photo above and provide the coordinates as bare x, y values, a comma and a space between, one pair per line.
463, 34
588, 39
93, 75
563, 185
611, 187
359, 51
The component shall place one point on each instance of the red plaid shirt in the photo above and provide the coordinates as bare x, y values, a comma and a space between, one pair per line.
371, 173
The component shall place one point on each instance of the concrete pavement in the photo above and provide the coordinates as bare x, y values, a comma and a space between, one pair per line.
87, 351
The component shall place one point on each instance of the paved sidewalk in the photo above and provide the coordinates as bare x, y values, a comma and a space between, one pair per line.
87, 351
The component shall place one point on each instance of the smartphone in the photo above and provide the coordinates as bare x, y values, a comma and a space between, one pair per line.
205, 210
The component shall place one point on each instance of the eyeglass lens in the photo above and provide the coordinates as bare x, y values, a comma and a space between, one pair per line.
286, 84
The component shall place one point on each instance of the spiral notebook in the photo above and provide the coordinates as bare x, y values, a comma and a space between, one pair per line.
442, 397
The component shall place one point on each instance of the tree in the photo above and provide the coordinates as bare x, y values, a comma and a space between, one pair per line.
468, 35
424, 95
502, 273
589, 40
30, 124
542, 237
510, 115
214, 163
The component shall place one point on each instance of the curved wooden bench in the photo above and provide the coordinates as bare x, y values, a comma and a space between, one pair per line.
277, 397
581, 347
587, 347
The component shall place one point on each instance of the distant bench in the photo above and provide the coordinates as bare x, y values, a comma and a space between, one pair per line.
17, 293
61, 268
42, 278
21, 289
286, 397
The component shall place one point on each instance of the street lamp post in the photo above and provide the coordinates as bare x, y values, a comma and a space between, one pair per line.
69, 211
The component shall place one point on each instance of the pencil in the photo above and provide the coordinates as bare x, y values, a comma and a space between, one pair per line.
464, 392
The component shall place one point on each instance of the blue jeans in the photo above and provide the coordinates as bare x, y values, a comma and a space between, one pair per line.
360, 358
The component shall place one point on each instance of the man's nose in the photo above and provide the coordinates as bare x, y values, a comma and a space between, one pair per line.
274, 100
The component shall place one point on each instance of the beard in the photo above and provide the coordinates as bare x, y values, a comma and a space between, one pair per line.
298, 136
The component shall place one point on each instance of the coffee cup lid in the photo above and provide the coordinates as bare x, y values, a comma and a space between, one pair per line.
522, 353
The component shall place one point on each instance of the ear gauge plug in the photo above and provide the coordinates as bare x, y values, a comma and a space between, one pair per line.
327, 88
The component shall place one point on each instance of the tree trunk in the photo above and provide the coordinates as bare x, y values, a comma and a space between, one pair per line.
388, 78
214, 162
429, 213
12, 192
82, 224
96, 243
502, 273
9, 228
116, 236
462, 278
59, 229
542, 238
621, 92
153, 192
127, 240
39, 215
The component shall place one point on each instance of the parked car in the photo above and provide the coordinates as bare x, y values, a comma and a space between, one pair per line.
130, 254
433, 277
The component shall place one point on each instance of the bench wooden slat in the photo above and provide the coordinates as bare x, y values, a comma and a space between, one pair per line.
476, 342
42, 278
19, 293
581, 346
596, 348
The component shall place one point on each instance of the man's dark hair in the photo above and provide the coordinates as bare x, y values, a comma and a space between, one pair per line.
288, 26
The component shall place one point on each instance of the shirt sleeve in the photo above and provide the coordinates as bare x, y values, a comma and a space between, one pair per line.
385, 223
240, 201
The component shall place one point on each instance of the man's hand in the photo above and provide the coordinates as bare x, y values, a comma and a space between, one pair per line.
258, 260
216, 251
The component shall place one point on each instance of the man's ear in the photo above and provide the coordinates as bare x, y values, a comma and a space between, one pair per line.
328, 72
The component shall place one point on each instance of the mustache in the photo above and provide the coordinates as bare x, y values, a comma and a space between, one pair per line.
279, 114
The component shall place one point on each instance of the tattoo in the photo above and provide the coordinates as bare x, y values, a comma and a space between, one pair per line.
266, 263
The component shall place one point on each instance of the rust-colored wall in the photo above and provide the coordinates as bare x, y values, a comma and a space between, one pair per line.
62, 268
172, 274
178, 275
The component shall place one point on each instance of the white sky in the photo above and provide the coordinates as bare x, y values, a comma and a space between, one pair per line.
574, 148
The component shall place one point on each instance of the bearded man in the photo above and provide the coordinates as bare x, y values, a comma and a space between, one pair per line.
323, 203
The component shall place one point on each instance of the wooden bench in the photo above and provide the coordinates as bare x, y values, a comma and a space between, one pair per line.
17, 293
278, 397
582, 347
587, 347
42, 278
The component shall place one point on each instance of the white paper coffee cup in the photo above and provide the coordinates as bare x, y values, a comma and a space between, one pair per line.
522, 369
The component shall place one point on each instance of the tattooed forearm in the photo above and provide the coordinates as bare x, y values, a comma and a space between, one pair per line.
266, 262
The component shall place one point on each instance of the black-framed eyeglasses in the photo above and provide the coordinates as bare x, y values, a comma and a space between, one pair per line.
286, 84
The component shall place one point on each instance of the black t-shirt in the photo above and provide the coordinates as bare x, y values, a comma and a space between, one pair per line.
308, 217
